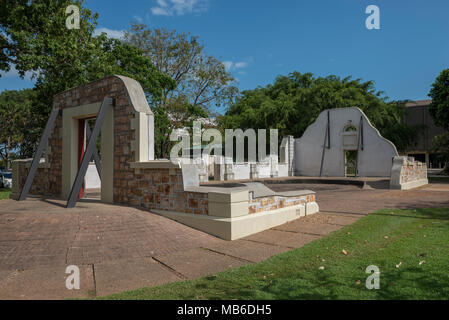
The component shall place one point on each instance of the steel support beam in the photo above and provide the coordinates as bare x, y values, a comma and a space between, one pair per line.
91, 147
328, 129
326, 135
37, 156
359, 144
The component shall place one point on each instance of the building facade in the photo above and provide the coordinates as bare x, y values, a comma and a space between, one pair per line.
417, 114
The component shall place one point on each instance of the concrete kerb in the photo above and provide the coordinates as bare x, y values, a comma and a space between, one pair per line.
241, 226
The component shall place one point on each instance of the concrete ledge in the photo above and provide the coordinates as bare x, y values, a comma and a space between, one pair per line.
410, 185
229, 195
312, 208
295, 193
239, 227
229, 209
43, 164
156, 164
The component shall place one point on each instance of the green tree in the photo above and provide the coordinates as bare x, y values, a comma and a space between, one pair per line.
294, 102
439, 109
15, 120
34, 39
202, 82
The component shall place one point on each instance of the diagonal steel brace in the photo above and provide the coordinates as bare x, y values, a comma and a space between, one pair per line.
37, 156
91, 147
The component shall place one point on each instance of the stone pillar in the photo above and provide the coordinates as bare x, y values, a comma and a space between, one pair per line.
287, 153
219, 168
254, 172
291, 155
274, 171
16, 179
229, 172
284, 150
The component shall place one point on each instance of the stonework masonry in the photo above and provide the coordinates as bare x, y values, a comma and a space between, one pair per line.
162, 189
408, 173
263, 204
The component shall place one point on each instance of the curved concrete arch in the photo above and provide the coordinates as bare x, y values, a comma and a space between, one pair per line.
136, 94
374, 161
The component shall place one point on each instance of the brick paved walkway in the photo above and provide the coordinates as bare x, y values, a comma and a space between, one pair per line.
121, 248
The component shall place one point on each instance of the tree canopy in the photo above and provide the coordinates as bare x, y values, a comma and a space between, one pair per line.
202, 81
16, 122
439, 109
34, 40
293, 102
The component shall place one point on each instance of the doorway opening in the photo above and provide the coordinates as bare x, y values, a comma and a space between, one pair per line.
91, 187
350, 163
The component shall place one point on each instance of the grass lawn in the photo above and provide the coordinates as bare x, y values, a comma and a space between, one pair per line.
411, 248
438, 179
4, 194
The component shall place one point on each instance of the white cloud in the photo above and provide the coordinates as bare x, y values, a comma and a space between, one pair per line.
179, 7
159, 11
138, 18
13, 73
231, 66
240, 65
114, 34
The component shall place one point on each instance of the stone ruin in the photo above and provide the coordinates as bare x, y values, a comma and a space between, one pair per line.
129, 174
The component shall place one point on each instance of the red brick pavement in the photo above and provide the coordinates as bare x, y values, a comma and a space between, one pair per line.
122, 248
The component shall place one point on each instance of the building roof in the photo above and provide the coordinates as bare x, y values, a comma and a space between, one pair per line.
419, 103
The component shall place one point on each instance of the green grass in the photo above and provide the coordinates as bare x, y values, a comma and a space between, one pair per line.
4, 194
438, 179
387, 239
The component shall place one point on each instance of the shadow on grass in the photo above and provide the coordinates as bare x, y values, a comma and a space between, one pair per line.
433, 214
408, 283
413, 283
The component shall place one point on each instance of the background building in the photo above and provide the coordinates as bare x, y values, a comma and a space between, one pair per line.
417, 114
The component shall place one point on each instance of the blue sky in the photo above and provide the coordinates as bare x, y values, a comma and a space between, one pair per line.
260, 39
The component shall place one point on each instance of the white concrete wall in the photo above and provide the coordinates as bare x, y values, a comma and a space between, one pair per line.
283, 170
241, 171
374, 161
92, 178
264, 170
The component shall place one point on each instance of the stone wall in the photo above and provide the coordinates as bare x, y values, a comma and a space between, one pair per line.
408, 173
161, 189
48, 179
262, 204
45, 182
